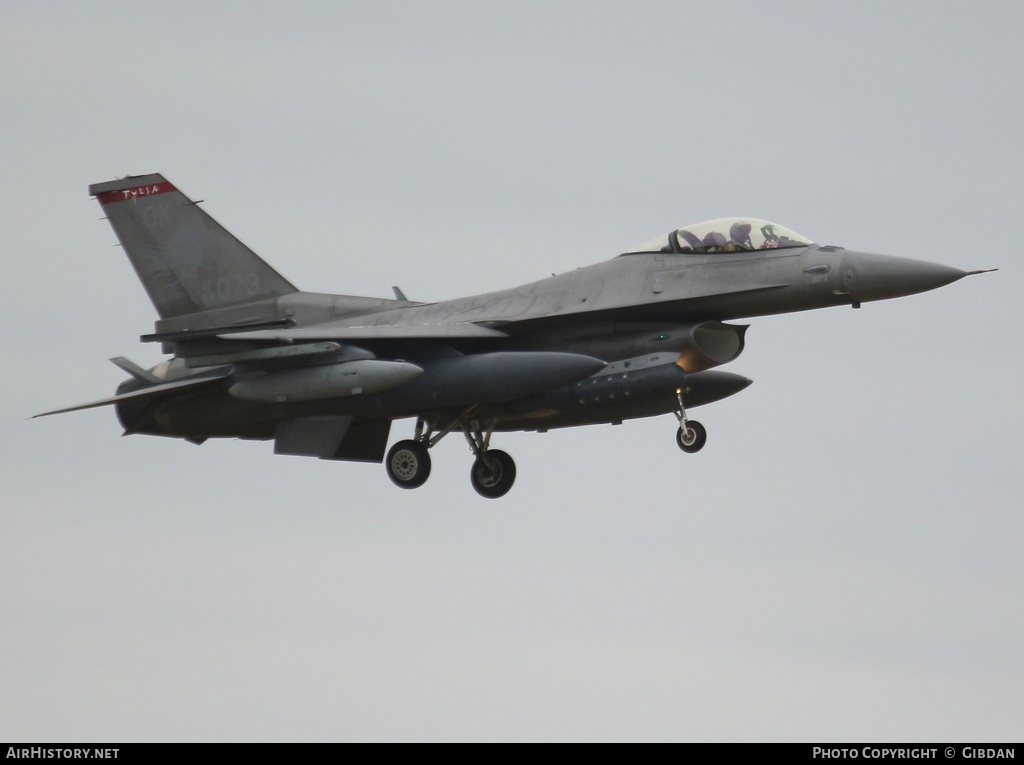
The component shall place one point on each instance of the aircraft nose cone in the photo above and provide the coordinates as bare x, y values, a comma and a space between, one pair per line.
877, 277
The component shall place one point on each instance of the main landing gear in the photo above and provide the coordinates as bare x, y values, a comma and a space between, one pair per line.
691, 435
408, 464
493, 471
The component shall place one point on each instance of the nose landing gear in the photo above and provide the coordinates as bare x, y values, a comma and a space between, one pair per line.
691, 435
693, 438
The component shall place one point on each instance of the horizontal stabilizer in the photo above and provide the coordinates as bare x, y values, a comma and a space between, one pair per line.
155, 390
374, 332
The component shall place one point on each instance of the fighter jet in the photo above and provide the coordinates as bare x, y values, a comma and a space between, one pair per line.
638, 335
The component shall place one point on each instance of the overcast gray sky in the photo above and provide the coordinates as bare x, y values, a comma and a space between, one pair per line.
842, 561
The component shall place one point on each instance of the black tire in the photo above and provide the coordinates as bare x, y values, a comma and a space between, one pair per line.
694, 439
408, 464
493, 474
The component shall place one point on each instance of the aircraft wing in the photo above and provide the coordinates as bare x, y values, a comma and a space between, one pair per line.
466, 330
154, 390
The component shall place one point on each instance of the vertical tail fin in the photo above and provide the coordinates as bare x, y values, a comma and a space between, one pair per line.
187, 262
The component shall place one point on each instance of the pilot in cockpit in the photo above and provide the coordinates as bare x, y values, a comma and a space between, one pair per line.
739, 237
738, 241
713, 242
724, 235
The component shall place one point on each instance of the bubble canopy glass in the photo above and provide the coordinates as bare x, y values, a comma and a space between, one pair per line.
724, 235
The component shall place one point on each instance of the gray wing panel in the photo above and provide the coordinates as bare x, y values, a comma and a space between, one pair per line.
374, 332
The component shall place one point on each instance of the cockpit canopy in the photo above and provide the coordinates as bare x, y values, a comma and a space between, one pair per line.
724, 235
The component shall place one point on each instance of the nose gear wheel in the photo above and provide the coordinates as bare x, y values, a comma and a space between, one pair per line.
691, 435
693, 438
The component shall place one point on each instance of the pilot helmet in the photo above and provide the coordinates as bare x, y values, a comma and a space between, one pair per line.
739, 232
713, 240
